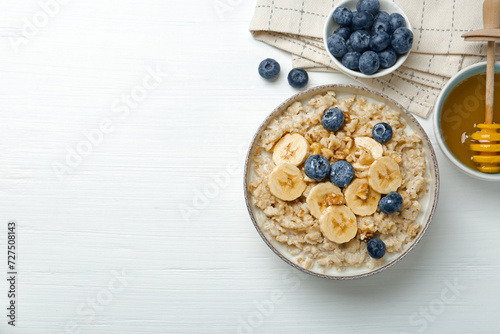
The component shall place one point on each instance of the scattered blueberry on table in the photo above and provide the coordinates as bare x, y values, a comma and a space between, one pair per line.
391, 203
317, 167
369, 39
298, 78
376, 248
269, 68
382, 132
333, 119
341, 173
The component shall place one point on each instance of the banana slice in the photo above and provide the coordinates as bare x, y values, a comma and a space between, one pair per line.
322, 196
371, 150
364, 161
338, 224
361, 198
286, 182
370, 145
292, 149
384, 175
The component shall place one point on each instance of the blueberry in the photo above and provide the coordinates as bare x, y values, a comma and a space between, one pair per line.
317, 167
269, 68
361, 20
376, 248
381, 26
349, 46
382, 132
336, 45
344, 32
397, 21
351, 60
382, 16
402, 40
388, 58
369, 63
380, 41
343, 16
360, 41
298, 78
391, 203
341, 173
371, 6
333, 119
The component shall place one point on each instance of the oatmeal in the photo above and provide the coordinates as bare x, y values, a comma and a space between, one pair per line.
324, 194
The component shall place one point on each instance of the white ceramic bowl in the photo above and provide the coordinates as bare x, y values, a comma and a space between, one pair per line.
330, 26
438, 107
428, 203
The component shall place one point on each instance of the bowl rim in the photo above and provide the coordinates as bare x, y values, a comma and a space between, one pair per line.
381, 72
323, 88
443, 95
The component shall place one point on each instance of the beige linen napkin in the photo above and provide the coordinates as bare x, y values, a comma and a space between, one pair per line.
438, 52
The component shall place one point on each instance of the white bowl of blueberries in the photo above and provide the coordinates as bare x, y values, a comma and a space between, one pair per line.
368, 38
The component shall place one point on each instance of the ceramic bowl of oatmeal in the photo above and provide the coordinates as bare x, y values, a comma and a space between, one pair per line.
341, 182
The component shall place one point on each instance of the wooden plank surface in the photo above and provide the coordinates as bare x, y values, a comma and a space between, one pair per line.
116, 237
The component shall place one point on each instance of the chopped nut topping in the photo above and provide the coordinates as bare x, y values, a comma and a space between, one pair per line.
366, 158
334, 199
327, 153
396, 157
316, 148
367, 236
363, 191
347, 117
340, 155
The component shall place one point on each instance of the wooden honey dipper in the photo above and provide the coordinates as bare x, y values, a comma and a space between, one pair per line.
486, 143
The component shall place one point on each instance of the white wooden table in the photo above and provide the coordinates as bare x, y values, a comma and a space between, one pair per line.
116, 117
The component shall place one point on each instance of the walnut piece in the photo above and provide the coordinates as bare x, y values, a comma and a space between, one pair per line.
334, 199
366, 236
340, 155
363, 191
316, 148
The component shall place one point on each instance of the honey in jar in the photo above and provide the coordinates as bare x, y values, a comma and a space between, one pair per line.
462, 111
